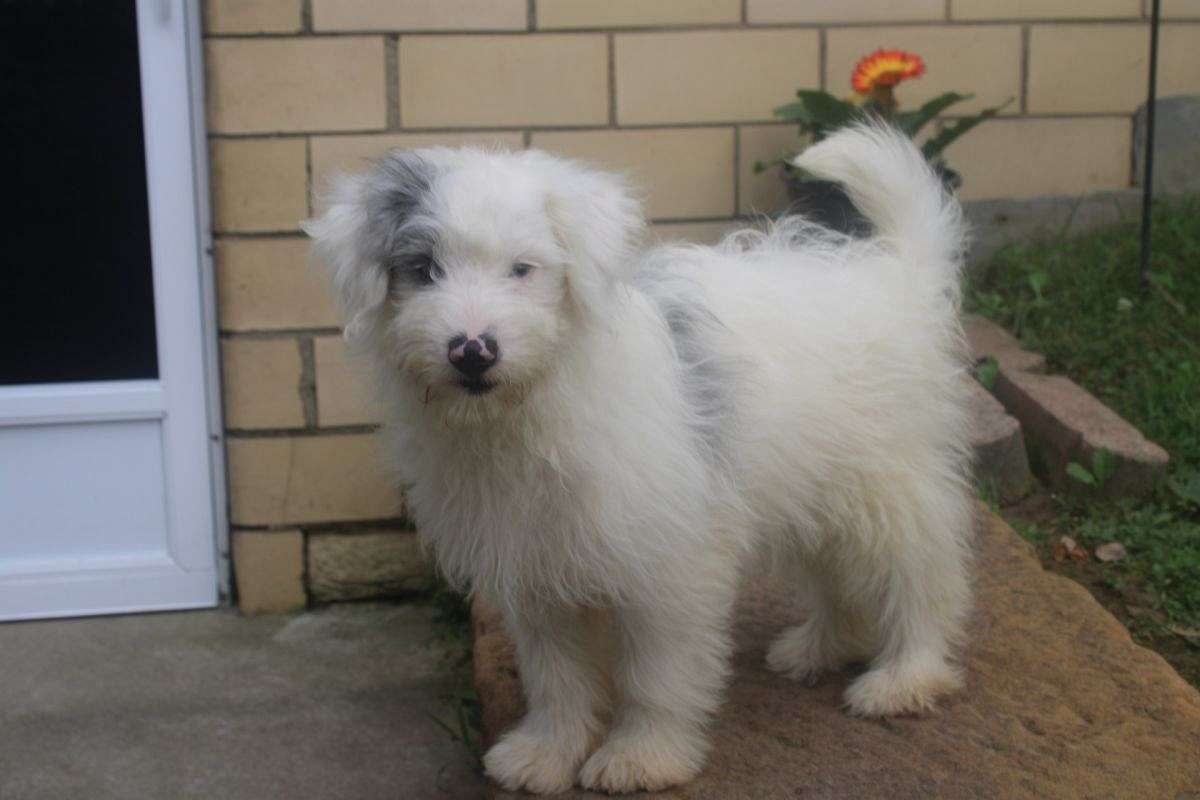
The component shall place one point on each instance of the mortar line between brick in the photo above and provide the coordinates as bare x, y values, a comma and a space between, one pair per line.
304, 571
391, 81
714, 26
1024, 87
306, 16
634, 126
531, 15
401, 526
299, 433
822, 51
612, 81
737, 172
308, 381
280, 333
308, 175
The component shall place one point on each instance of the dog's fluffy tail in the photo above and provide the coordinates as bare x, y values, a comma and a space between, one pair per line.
888, 180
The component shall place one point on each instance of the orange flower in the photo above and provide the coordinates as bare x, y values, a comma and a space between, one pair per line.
885, 68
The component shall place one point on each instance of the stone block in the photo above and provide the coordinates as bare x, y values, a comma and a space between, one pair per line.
711, 76
996, 159
760, 12
681, 173
251, 16
344, 393
498, 81
261, 382
1044, 9
1064, 424
359, 566
1116, 56
269, 284
997, 222
313, 83
286, 480
269, 568
1176, 145
419, 15
1001, 464
258, 185
635, 13
986, 338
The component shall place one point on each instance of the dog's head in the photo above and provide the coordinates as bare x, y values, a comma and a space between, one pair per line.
469, 272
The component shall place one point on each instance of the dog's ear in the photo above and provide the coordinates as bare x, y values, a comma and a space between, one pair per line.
339, 244
364, 217
599, 222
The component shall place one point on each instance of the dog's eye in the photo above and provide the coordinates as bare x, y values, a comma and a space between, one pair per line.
425, 269
521, 269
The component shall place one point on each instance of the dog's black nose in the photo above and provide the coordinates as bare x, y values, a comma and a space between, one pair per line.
473, 357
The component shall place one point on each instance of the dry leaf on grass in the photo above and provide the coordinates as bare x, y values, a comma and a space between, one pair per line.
1111, 551
1069, 548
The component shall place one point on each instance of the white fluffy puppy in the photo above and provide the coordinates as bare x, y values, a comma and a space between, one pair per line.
580, 425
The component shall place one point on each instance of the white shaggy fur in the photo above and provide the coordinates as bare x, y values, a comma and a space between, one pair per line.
658, 424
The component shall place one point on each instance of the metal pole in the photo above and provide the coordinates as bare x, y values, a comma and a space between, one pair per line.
1148, 173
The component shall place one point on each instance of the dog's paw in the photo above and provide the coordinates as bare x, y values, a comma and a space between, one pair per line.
890, 691
521, 761
631, 764
799, 653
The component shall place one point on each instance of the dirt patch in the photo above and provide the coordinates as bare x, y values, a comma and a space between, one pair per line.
1040, 514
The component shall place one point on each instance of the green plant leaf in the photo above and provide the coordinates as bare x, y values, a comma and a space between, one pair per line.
1081, 474
794, 112
948, 135
826, 110
986, 372
1104, 464
1185, 485
911, 122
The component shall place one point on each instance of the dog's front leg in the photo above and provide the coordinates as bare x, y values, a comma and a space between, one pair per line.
563, 691
671, 671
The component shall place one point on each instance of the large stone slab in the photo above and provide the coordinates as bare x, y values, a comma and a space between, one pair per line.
1059, 703
1001, 463
1068, 424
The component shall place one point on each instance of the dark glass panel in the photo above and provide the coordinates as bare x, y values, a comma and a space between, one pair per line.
76, 297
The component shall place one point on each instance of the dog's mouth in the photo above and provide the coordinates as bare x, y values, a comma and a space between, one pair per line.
477, 386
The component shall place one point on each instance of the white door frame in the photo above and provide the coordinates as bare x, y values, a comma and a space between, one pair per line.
185, 398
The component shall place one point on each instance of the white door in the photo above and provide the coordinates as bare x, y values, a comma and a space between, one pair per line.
110, 487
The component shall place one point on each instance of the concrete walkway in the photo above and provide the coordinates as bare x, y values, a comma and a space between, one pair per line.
334, 703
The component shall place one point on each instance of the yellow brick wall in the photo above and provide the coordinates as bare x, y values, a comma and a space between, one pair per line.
677, 93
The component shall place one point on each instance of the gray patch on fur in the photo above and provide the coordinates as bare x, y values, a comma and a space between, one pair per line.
397, 233
709, 379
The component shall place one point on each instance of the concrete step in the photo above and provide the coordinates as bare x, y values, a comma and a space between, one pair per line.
1059, 703
1001, 464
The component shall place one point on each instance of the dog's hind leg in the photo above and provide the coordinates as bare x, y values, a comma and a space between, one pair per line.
671, 670
564, 690
834, 633
920, 572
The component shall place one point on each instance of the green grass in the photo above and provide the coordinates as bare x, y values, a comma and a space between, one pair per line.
1080, 302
